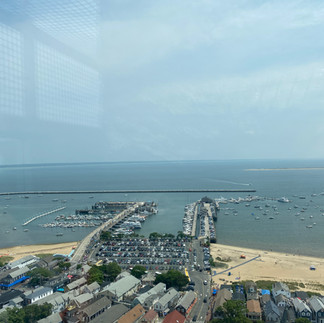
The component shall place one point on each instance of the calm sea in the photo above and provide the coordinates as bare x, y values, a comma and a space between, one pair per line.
286, 232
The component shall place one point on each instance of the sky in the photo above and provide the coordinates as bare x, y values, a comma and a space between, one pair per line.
124, 80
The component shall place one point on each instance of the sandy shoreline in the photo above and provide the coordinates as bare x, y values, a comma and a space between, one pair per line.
21, 251
269, 266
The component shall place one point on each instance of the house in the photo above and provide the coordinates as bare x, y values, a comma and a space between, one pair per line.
185, 303
53, 318
238, 296
317, 307
150, 317
8, 296
148, 299
77, 283
301, 308
271, 312
23, 262
222, 296
300, 294
59, 301
251, 290
288, 315
122, 288
13, 276
281, 300
166, 301
93, 288
265, 298
280, 288
254, 310
112, 314
37, 294
133, 315
95, 309
174, 317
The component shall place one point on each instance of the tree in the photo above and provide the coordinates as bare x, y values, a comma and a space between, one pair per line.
112, 270
155, 236
39, 275
172, 278
138, 271
106, 236
28, 314
233, 311
95, 275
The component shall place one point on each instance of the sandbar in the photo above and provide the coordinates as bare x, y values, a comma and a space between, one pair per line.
269, 265
21, 251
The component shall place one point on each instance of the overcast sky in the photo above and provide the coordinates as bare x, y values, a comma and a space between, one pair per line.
171, 80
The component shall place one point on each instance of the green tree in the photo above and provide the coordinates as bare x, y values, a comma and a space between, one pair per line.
112, 270
28, 314
106, 236
39, 275
138, 271
302, 320
64, 265
155, 236
172, 278
95, 274
233, 311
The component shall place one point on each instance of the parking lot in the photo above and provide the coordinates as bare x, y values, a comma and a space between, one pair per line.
162, 254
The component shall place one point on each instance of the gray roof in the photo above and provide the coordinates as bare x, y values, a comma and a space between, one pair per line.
38, 292
18, 272
158, 289
222, 296
112, 314
187, 299
280, 298
167, 297
280, 286
76, 283
300, 306
123, 285
83, 298
96, 306
56, 299
22, 261
54, 318
316, 304
92, 287
271, 307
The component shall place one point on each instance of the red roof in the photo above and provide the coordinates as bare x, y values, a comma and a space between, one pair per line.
150, 316
174, 317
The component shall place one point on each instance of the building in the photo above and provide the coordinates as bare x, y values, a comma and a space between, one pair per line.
77, 283
22, 262
112, 314
166, 301
12, 277
301, 309
37, 294
95, 309
254, 310
174, 317
280, 288
122, 288
150, 317
133, 315
271, 312
317, 307
148, 299
251, 290
185, 303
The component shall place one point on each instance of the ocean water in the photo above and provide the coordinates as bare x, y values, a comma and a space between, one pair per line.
286, 232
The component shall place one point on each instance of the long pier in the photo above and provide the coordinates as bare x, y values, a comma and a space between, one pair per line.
43, 214
132, 191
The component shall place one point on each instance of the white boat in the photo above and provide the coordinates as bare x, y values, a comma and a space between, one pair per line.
283, 200
309, 226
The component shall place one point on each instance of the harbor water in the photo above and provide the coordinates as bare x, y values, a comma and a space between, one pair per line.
293, 227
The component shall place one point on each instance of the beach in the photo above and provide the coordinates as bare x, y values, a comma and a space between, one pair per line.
268, 265
21, 251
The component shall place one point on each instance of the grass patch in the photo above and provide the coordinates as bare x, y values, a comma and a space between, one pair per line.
223, 260
218, 264
4, 260
44, 255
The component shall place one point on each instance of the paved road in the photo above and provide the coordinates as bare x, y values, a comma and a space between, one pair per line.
82, 247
